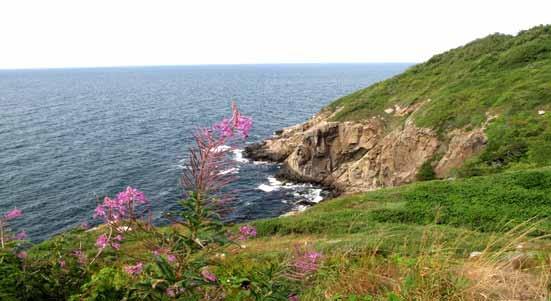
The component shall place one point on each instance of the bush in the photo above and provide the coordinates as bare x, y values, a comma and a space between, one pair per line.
426, 172
495, 203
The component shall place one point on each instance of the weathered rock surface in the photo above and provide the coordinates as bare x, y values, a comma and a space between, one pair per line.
364, 155
463, 145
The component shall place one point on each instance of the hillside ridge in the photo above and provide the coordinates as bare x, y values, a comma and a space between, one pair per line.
477, 109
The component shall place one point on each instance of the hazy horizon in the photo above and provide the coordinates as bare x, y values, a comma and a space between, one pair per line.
208, 65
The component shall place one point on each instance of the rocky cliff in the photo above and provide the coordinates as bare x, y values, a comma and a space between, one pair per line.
480, 107
355, 156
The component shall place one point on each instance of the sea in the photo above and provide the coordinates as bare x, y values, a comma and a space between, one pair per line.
70, 137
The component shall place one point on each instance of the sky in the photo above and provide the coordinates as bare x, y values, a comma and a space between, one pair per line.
97, 33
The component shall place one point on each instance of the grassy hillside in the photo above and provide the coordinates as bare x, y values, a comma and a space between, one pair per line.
379, 243
503, 75
407, 243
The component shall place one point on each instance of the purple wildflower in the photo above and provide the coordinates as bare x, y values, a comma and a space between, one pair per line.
224, 128
62, 263
101, 241
99, 211
306, 262
208, 276
293, 297
116, 245
244, 125
246, 232
170, 292
134, 269
21, 235
14, 213
241, 124
22, 255
130, 195
81, 256
113, 210
163, 251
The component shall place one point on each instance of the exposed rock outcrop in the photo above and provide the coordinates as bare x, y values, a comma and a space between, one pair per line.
463, 145
364, 155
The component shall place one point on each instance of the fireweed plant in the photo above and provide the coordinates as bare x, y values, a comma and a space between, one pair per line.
182, 261
7, 238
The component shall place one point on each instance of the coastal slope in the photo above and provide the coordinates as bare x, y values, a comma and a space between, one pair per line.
478, 109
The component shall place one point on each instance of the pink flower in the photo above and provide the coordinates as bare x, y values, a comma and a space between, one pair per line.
62, 263
130, 195
113, 210
306, 262
21, 235
134, 269
99, 211
170, 292
224, 128
116, 245
208, 276
237, 123
246, 232
84, 226
101, 241
81, 256
14, 213
244, 125
293, 297
171, 258
22, 255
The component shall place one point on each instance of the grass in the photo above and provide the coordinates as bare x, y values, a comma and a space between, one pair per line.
503, 75
407, 243
413, 242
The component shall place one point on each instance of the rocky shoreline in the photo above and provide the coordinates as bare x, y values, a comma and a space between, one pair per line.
358, 156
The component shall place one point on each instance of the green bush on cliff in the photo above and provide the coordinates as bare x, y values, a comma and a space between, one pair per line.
426, 172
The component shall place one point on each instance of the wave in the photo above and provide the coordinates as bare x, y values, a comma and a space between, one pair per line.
222, 148
238, 156
231, 171
267, 188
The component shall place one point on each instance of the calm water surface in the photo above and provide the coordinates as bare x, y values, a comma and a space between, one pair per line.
70, 136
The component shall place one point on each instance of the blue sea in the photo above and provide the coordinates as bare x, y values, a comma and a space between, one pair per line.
69, 137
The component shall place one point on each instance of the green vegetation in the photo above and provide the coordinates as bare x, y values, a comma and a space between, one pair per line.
496, 203
480, 238
500, 75
397, 232
405, 243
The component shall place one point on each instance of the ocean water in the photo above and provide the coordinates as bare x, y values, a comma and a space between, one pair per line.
69, 137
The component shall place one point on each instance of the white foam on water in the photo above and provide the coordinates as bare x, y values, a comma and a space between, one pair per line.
314, 195
267, 188
262, 163
274, 182
232, 171
222, 148
238, 156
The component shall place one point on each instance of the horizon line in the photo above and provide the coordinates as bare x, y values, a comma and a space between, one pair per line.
197, 65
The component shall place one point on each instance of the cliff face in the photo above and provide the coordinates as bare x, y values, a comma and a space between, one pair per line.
355, 156
485, 101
